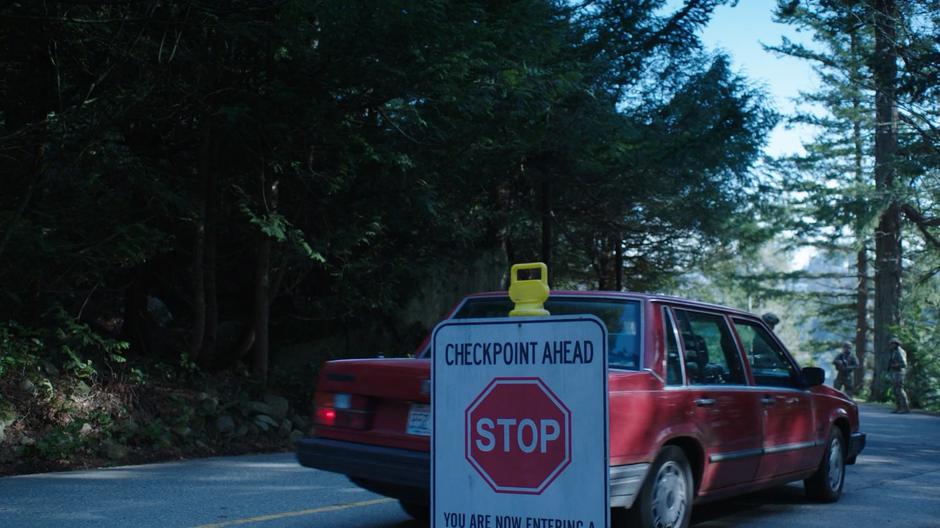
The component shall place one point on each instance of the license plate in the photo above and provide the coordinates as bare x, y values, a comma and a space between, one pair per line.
419, 420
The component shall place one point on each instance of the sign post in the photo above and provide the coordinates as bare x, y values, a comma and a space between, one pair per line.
520, 421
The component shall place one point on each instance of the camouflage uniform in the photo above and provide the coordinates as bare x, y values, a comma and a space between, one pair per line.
845, 364
896, 365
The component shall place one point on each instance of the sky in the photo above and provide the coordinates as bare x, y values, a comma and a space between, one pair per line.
739, 31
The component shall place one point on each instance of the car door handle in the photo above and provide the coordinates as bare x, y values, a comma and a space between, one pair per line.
792, 401
705, 402
767, 400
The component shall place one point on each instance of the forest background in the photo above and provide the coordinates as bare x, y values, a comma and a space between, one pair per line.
202, 200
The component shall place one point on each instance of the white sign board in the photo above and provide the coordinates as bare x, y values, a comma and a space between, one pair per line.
520, 423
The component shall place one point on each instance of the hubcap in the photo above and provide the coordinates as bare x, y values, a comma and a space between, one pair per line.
669, 496
836, 469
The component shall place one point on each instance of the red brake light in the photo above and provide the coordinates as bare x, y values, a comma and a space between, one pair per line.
342, 410
326, 416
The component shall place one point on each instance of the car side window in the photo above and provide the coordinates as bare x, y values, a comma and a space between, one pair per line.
711, 355
673, 366
769, 363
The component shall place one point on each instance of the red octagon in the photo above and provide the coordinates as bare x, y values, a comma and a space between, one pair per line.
518, 435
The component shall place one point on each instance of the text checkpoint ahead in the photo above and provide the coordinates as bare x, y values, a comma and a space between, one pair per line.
520, 423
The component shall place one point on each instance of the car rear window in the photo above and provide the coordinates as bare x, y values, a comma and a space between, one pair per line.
621, 317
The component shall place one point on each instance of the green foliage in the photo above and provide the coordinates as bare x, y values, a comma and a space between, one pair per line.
155, 433
61, 443
277, 226
919, 334
81, 368
368, 140
175, 177
76, 340
831, 188
20, 350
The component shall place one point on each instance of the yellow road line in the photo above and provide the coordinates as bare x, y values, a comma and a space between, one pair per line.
300, 513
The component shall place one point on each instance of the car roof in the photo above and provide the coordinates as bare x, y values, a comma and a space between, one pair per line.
654, 297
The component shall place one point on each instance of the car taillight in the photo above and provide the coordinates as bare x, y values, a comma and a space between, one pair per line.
351, 411
326, 416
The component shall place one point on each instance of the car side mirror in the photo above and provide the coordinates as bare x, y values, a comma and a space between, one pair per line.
814, 376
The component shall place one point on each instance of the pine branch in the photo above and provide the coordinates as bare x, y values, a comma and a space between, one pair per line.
930, 138
922, 223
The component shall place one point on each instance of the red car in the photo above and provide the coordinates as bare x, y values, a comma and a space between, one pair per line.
705, 403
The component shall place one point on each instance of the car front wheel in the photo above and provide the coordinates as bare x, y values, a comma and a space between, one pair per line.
826, 484
666, 498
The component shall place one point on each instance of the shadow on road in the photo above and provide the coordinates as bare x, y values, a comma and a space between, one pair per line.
788, 495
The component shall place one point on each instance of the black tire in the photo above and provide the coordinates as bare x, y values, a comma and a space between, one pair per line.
826, 484
665, 501
418, 512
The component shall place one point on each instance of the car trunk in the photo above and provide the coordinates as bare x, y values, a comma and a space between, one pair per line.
375, 401
386, 402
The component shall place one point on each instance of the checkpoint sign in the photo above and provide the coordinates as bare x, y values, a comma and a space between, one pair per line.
520, 433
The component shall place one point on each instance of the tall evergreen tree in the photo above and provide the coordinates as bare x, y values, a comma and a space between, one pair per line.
831, 183
878, 33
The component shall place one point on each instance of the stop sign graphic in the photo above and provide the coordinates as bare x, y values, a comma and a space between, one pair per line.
518, 435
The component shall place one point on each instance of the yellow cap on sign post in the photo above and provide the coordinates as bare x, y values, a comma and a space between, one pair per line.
529, 294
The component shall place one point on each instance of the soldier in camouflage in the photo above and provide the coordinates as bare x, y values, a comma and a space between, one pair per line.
897, 362
845, 364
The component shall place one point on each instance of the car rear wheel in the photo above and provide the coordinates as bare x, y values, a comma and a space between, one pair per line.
826, 484
666, 498
418, 512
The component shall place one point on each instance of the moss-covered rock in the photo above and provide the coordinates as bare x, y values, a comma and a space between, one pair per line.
278, 406
265, 422
256, 407
114, 451
225, 424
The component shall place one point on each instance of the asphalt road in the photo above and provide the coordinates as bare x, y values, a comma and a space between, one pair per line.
895, 483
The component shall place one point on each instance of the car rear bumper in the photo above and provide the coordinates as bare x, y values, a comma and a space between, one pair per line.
397, 473
406, 475
856, 445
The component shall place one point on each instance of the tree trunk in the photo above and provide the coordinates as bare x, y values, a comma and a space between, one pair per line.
888, 234
260, 313
212, 297
198, 333
498, 232
510, 258
861, 315
602, 260
134, 327
199, 293
861, 264
11, 227
209, 267
261, 305
618, 262
546, 210
887, 294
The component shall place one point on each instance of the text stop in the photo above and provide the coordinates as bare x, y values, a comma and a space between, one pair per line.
527, 434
